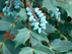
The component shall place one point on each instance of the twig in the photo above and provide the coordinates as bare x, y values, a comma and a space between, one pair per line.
30, 38
63, 1
49, 45
8, 34
28, 4
5, 38
56, 52
61, 34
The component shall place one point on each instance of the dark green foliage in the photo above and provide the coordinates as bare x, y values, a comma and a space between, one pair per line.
17, 35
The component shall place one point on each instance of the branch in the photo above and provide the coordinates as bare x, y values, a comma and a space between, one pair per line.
61, 34
30, 37
8, 33
63, 1
5, 38
28, 4
49, 45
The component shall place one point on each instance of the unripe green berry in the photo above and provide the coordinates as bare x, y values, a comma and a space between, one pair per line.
31, 18
42, 24
39, 30
28, 9
9, 13
36, 27
6, 2
29, 14
34, 20
41, 15
44, 17
36, 24
58, 19
57, 9
4, 9
43, 27
32, 24
39, 12
59, 13
36, 10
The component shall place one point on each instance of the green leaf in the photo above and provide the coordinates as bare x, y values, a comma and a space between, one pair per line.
37, 38
19, 25
9, 19
40, 49
8, 48
1, 36
26, 50
47, 4
13, 31
22, 14
1, 39
5, 50
22, 36
69, 53
61, 45
53, 2
31, 2
40, 37
50, 28
70, 33
1, 6
22, 4
54, 36
4, 25
66, 6
35, 41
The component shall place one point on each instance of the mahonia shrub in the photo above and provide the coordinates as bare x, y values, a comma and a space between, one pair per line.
35, 26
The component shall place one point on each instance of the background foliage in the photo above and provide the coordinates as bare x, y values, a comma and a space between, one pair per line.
18, 37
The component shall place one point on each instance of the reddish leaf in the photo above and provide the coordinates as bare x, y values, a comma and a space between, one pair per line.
1, 15
0, 53
50, 33
9, 37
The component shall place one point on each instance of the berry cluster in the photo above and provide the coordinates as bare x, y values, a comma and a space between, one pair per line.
58, 14
11, 5
39, 24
